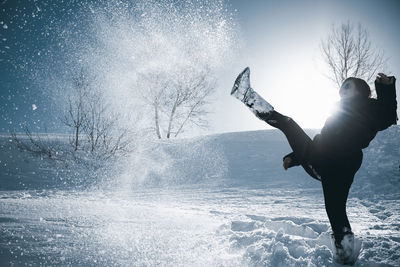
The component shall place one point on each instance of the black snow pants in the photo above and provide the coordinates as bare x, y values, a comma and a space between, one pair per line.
336, 182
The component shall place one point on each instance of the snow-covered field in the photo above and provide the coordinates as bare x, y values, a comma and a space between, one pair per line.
221, 200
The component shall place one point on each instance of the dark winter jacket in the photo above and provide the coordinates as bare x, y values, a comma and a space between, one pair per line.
351, 129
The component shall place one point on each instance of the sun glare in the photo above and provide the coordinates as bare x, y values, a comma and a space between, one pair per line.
302, 93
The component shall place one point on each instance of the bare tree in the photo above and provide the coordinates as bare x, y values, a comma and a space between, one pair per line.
154, 86
95, 136
97, 122
187, 102
94, 125
100, 127
75, 114
348, 51
179, 99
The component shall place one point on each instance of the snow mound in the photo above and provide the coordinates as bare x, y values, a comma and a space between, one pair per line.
279, 242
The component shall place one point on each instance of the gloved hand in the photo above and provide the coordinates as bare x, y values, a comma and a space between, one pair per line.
385, 87
286, 163
383, 79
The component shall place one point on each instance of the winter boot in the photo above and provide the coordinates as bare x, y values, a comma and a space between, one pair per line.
243, 91
344, 251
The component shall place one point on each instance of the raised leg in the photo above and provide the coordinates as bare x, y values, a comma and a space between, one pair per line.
297, 138
242, 91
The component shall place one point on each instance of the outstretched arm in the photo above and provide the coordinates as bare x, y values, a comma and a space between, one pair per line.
386, 98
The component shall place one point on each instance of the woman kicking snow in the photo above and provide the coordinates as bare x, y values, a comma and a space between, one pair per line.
334, 155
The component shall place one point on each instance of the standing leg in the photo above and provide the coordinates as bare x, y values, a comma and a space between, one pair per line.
336, 190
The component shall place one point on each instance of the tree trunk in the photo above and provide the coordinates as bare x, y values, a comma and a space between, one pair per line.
156, 121
171, 117
76, 137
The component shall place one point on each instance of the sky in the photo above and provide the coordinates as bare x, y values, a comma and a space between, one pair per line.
278, 40
282, 41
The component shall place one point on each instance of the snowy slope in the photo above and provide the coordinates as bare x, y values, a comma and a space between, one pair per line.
255, 159
221, 200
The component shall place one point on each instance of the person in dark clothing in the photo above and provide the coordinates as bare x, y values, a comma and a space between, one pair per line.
335, 155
